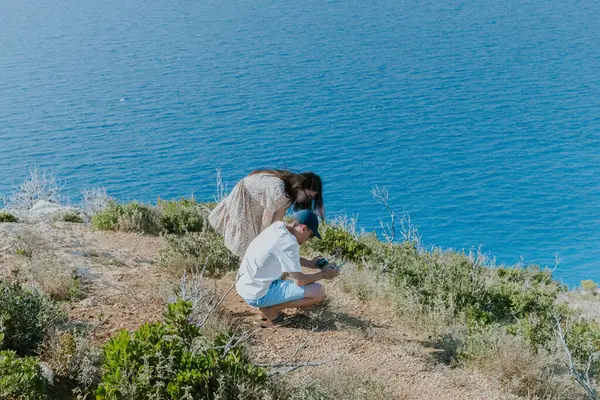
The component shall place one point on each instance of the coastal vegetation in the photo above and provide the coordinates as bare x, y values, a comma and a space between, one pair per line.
513, 323
70, 216
174, 217
7, 217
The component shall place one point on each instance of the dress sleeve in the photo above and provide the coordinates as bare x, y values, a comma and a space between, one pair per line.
268, 191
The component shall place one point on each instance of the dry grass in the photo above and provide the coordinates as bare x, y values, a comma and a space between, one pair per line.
30, 244
52, 275
531, 375
370, 286
365, 284
588, 304
342, 384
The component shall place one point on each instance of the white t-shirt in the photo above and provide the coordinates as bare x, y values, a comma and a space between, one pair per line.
268, 256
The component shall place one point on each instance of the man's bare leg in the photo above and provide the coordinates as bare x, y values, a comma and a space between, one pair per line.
313, 293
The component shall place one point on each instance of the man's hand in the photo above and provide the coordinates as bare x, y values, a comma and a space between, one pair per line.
310, 263
315, 260
330, 272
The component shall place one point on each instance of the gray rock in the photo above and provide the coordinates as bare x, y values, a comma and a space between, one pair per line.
88, 303
41, 211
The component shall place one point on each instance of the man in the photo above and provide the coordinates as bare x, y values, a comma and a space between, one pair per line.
275, 251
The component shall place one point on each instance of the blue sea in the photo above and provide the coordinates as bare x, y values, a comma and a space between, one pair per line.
481, 118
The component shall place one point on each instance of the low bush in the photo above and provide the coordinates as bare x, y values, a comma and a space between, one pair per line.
589, 286
25, 318
583, 338
21, 378
197, 249
210, 205
7, 217
176, 217
171, 360
339, 242
71, 216
73, 359
130, 217
182, 216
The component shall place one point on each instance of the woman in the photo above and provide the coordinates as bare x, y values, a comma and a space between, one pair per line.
260, 199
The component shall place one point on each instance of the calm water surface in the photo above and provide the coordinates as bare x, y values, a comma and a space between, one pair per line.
482, 118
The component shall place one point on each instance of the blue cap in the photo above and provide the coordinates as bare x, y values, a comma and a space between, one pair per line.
308, 218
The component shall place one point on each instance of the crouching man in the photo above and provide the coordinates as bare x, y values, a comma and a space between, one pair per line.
274, 252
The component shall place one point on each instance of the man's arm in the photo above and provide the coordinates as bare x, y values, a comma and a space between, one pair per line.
303, 279
312, 264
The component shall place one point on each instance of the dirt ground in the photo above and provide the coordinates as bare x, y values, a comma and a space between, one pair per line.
123, 286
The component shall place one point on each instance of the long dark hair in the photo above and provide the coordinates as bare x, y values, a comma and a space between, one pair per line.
299, 181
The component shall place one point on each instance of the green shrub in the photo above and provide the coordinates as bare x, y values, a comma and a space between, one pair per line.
521, 299
71, 216
182, 216
25, 317
21, 378
589, 286
130, 217
73, 359
583, 338
171, 360
7, 217
108, 219
195, 249
210, 205
338, 241
486, 296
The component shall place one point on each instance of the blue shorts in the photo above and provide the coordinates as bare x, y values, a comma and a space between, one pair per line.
280, 291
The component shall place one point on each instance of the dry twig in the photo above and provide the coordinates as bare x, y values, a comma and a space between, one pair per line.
583, 378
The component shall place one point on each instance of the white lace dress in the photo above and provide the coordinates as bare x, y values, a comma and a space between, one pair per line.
238, 217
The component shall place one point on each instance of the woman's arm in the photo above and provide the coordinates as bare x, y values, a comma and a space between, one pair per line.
269, 217
279, 214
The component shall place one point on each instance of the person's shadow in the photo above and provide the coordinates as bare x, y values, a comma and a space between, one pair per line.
322, 318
